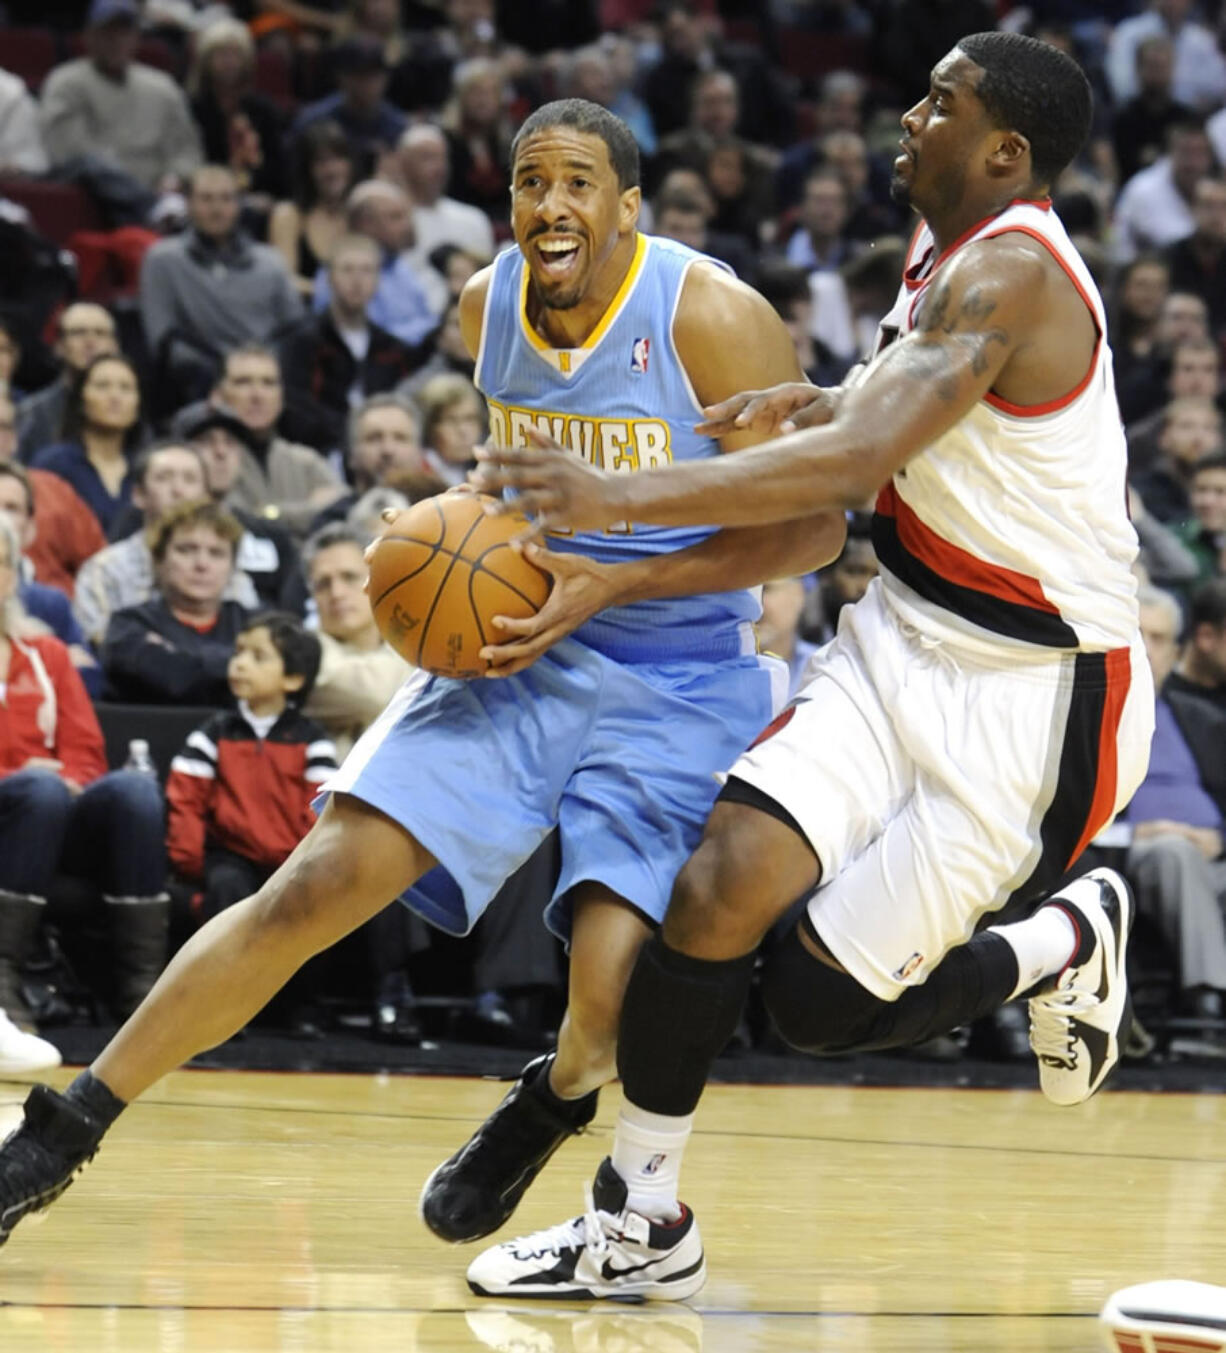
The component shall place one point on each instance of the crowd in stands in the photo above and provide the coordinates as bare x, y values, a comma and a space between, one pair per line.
232, 241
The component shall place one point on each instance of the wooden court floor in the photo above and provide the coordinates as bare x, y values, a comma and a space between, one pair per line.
250, 1213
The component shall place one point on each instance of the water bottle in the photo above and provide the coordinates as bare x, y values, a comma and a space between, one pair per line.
139, 759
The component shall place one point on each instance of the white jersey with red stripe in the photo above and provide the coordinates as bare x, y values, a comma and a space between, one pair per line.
1011, 530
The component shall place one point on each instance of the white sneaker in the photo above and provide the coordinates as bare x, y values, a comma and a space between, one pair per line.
20, 1051
1162, 1316
1077, 1027
608, 1252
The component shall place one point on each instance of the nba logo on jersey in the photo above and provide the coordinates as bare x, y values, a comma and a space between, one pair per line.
638, 356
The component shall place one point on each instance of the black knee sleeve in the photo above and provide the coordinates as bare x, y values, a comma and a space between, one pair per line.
678, 1016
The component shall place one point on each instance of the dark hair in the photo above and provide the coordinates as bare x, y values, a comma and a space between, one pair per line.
680, 199
72, 426
319, 139
1036, 90
593, 120
783, 284
13, 470
1207, 605
299, 649
1215, 460
198, 512
140, 466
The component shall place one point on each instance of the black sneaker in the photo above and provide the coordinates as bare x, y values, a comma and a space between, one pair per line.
477, 1189
40, 1158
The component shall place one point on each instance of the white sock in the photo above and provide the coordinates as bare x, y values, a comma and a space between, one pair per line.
647, 1151
1043, 944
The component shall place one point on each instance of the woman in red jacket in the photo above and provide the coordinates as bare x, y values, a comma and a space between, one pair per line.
60, 810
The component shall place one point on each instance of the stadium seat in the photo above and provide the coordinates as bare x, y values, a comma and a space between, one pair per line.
807, 54
30, 53
274, 77
58, 209
163, 727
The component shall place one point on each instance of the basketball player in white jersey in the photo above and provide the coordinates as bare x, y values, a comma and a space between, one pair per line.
982, 712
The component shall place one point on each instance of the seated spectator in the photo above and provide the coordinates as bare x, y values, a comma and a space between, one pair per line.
66, 532
1174, 861
239, 794
175, 648
111, 107
279, 479
211, 286
422, 166
453, 425
479, 135
240, 127
306, 229
1164, 556
21, 137
841, 583
783, 601
385, 452
1198, 261
684, 215
59, 810
358, 673
1192, 430
787, 289
84, 331
1138, 133
840, 108
1155, 207
819, 243
371, 125
456, 266
1199, 77
1140, 290
121, 575
266, 553
714, 114
46, 606
740, 183
408, 300
449, 358
336, 359
101, 425
1191, 369
1201, 668
1204, 533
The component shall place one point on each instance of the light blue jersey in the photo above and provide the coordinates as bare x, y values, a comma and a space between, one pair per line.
624, 403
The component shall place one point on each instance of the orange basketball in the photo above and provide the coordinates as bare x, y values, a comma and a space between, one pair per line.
440, 575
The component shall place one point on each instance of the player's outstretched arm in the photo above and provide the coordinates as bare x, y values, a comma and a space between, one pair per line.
985, 306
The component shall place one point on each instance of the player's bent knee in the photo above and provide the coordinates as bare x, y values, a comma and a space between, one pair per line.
816, 1008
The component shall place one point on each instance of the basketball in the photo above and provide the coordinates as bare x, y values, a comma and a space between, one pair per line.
441, 573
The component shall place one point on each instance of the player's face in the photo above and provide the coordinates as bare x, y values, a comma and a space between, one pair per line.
568, 212
942, 136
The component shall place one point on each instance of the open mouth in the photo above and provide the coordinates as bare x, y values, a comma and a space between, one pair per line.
559, 256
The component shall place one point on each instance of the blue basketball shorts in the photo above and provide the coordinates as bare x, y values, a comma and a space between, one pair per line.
626, 759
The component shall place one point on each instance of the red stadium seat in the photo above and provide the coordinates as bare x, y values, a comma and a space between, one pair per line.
807, 54
58, 209
29, 52
151, 52
273, 77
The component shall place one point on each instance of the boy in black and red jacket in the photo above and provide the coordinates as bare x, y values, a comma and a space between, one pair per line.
239, 792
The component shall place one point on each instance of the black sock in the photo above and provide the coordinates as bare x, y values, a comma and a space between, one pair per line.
577, 1111
678, 1016
90, 1094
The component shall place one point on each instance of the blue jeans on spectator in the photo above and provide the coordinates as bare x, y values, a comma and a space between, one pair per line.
112, 833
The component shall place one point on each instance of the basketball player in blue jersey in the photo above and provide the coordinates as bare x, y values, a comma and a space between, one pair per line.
984, 710
617, 735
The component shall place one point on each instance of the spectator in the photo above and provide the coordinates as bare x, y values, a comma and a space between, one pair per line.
423, 167
683, 214
604, 73
1204, 533
1199, 78
336, 359
59, 810
783, 601
358, 673
279, 478
450, 356
122, 575
385, 451
408, 300
479, 135
101, 424
240, 128
1140, 290
1165, 558
239, 793
306, 230
1192, 430
841, 583
46, 606
266, 552
871, 210
787, 289
175, 648
84, 331
211, 285
1189, 369
457, 267
1201, 669
1139, 130
66, 532
1174, 861
740, 183
453, 425
111, 107
21, 149
819, 243
1155, 207
371, 125
1198, 261
714, 114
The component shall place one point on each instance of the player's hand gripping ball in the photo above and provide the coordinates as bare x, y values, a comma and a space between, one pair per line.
441, 572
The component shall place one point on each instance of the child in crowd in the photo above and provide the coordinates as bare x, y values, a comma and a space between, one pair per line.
240, 791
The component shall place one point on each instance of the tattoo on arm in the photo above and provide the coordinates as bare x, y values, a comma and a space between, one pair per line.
966, 323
